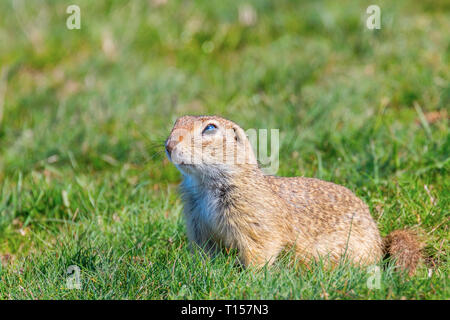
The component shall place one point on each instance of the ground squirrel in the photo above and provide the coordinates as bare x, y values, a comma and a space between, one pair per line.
230, 203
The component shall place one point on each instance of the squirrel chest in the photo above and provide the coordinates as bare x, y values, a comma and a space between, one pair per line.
206, 206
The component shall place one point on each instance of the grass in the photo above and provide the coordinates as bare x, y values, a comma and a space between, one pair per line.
84, 113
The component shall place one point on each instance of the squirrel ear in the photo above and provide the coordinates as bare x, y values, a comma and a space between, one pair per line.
239, 134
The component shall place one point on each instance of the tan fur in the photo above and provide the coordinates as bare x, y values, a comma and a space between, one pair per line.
231, 204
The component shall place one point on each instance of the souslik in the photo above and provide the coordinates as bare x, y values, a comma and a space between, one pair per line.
233, 204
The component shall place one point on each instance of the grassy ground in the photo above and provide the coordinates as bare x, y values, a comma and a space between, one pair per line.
84, 113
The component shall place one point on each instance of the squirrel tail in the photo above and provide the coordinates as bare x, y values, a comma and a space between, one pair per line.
405, 248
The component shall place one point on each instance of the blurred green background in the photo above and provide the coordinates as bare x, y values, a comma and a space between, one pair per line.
84, 114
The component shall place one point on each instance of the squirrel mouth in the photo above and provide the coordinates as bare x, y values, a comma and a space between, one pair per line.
176, 161
184, 164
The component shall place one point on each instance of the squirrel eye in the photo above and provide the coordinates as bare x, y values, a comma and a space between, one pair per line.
209, 127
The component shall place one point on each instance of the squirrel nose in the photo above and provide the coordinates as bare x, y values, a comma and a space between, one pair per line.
170, 145
172, 142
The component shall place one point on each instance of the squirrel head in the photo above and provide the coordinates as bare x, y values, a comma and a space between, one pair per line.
208, 146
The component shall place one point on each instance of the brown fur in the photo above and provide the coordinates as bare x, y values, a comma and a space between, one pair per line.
230, 204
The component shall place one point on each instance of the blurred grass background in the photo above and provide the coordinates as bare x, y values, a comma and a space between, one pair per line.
84, 113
